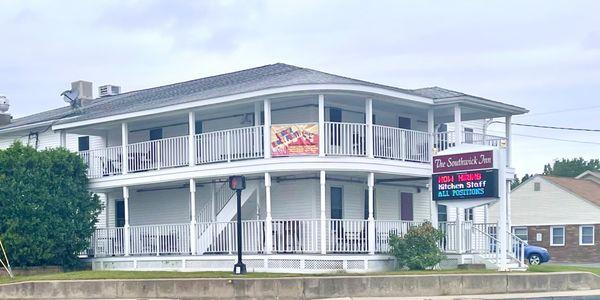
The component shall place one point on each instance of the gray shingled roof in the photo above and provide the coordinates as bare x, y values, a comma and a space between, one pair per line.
255, 79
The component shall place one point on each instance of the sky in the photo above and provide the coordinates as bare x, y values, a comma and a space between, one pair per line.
541, 55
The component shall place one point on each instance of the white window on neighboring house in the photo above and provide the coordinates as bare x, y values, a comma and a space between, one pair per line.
557, 236
537, 187
521, 232
586, 235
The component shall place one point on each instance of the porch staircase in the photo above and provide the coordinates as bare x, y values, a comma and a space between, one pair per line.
483, 250
225, 211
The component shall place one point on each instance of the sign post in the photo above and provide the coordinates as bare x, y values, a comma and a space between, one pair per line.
238, 184
469, 179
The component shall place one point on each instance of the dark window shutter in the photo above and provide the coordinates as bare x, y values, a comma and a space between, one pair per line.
406, 206
442, 213
119, 213
84, 143
403, 123
335, 115
336, 203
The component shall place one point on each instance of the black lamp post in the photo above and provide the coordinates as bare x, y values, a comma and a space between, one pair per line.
238, 184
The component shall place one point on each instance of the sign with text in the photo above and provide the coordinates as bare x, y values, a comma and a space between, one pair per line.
465, 185
294, 139
463, 161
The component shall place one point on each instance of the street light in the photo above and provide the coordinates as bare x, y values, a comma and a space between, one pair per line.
238, 184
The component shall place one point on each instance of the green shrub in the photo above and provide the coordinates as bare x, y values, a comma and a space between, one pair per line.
417, 249
47, 213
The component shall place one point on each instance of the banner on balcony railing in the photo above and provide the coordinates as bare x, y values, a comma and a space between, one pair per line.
294, 139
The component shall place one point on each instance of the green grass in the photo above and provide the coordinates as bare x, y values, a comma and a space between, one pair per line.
562, 268
91, 275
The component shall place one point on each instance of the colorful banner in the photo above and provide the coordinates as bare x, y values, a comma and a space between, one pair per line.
294, 139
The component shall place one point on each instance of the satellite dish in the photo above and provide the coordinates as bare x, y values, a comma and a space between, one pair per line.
71, 97
4, 104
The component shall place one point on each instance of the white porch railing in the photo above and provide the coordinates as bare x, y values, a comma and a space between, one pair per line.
400, 144
385, 229
158, 154
103, 162
296, 236
231, 144
347, 139
347, 236
160, 239
107, 242
447, 139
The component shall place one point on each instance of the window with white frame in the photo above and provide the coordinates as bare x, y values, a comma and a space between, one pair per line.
586, 235
521, 232
557, 236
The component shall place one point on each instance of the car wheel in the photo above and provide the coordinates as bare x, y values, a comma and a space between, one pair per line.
535, 259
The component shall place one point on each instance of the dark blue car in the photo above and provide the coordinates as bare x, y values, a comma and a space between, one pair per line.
536, 255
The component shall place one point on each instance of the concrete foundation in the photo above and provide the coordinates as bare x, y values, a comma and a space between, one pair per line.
303, 287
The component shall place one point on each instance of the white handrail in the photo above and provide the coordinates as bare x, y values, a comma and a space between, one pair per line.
347, 139
296, 236
160, 239
386, 228
400, 144
158, 154
230, 144
447, 139
347, 236
103, 162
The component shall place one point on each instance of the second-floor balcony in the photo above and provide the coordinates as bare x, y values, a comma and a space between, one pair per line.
340, 139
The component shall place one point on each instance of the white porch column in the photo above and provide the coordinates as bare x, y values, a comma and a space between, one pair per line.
503, 219
459, 229
458, 128
193, 236
268, 218
192, 138
371, 219
267, 133
124, 143
369, 121
508, 129
323, 231
63, 138
321, 125
126, 226
433, 212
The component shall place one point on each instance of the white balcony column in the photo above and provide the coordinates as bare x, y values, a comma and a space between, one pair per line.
63, 138
458, 128
369, 121
433, 212
192, 138
126, 225
323, 231
321, 125
124, 143
268, 218
371, 219
193, 236
267, 129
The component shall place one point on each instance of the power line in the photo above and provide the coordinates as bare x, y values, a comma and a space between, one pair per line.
547, 138
559, 111
552, 127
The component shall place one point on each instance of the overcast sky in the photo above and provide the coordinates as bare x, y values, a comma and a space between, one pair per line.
542, 55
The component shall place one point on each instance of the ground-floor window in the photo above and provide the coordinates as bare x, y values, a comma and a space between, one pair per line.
557, 236
521, 232
442, 213
469, 214
337, 207
119, 213
586, 235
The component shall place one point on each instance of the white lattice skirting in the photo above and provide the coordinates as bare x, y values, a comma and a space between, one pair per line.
255, 263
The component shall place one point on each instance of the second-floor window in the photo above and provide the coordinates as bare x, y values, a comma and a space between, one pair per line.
83, 143
156, 134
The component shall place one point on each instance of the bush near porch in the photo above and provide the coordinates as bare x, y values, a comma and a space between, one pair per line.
46, 212
418, 248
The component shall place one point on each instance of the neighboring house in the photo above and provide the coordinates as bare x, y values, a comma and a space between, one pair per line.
558, 213
334, 166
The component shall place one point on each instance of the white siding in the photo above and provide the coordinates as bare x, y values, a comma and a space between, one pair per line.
550, 205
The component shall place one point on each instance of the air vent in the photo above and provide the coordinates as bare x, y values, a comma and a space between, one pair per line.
109, 90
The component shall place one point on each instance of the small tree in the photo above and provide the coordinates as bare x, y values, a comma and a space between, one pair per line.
47, 213
418, 248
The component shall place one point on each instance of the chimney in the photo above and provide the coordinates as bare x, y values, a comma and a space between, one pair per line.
5, 117
85, 91
108, 90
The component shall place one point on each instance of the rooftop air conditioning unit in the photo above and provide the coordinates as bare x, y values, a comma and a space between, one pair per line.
109, 90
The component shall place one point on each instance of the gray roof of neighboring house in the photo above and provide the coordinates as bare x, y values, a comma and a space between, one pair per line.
255, 79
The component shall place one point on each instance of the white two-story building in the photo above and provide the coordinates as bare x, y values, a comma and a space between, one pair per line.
334, 166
